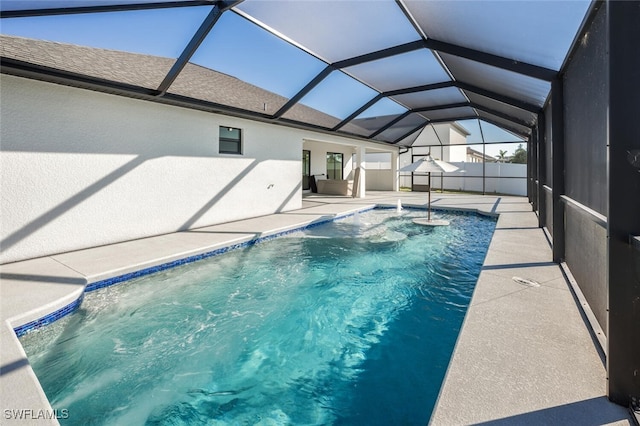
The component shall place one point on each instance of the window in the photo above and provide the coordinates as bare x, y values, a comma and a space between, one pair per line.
230, 140
306, 169
334, 165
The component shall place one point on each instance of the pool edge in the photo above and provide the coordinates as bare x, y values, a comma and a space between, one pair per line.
52, 316
71, 307
21, 395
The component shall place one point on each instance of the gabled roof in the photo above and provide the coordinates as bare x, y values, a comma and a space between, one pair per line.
460, 129
480, 155
380, 69
194, 82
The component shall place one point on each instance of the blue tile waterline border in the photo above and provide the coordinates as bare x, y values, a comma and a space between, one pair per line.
71, 307
48, 319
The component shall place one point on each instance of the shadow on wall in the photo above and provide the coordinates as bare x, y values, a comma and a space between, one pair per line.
68, 204
160, 165
41, 221
219, 195
292, 194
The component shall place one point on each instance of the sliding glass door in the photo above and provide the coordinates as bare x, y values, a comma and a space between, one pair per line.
306, 169
334, 165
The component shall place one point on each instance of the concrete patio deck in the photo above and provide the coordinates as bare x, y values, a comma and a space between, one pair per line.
524, 355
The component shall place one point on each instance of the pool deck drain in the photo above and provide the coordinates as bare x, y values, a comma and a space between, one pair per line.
524, 355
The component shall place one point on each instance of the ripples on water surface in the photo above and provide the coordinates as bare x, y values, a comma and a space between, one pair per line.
351, 322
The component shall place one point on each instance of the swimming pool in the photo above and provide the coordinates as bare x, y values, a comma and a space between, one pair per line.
351, 322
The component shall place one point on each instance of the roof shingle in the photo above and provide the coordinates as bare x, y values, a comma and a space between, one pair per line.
148, 71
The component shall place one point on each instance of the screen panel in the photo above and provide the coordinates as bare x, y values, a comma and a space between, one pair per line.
505, 124
375, 117
449, 113
498, 106
16, 5
497, 80
548, 114
334, 30
411, 69
409, 140
401, 128
202, 83
369, 125
586, 102
428, 98
134, 47
158, 32
536, 32
337, 96
241, 49
473, 127
496, 135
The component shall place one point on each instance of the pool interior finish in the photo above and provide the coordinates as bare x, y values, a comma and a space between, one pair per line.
349, 322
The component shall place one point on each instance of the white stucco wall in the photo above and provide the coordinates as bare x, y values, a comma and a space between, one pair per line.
429, 137
380, 180
81, 168
457, 150
381, 174
452, 137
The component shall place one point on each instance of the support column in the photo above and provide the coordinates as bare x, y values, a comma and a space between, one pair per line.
542, 170
360, 153
623, 218
395, 158
533, 145
529, 178
557, 135
484, 168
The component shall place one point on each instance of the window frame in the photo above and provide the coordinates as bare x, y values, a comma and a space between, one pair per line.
332, 176
237, 141
306, 185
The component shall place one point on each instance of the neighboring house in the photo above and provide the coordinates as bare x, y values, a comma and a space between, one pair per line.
474, 156
444, 141
448, 142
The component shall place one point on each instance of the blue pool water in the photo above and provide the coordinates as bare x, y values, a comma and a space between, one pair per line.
351, 322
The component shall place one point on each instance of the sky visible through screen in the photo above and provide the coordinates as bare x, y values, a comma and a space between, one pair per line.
158, 32
491, 133
236, 47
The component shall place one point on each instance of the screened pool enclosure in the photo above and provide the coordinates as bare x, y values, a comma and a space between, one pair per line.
561, 77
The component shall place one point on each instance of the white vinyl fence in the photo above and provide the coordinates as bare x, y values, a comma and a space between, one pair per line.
496, 178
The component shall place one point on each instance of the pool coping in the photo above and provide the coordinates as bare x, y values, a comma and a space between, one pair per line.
316, 210
50, 317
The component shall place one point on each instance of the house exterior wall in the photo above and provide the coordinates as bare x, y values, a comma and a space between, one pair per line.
457, 151
453, 146
81, 169
381, 173
380, 180
428, 135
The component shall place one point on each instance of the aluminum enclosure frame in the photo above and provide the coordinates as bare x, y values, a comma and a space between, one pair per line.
622, 221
